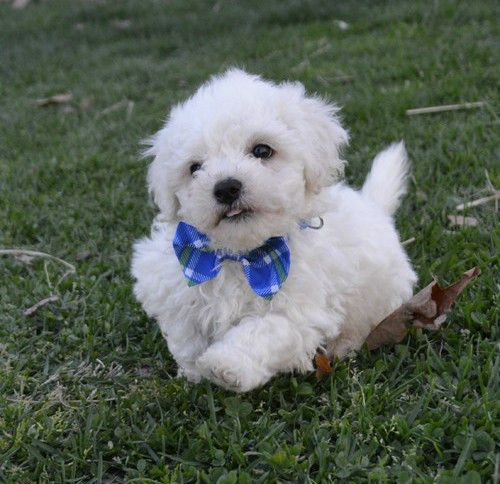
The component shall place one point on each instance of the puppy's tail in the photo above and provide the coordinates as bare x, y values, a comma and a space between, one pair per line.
386, 182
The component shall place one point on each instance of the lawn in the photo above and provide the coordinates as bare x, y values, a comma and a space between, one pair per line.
87, 387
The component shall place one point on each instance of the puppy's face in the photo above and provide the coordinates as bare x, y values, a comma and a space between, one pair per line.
243, 159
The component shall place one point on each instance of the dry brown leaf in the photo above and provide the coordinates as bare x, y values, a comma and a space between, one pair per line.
20, 4
87, 103
323, 367
426, 309
444, 299
55, 99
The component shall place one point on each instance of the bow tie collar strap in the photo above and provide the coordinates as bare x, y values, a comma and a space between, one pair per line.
266, 268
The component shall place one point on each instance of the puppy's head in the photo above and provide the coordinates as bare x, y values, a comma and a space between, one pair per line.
243, 159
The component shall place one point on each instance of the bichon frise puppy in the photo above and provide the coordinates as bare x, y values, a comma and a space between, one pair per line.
259, 256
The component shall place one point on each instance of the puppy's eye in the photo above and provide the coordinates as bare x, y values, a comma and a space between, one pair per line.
194, 167
262, 151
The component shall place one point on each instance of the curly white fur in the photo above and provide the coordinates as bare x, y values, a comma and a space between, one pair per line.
344, 278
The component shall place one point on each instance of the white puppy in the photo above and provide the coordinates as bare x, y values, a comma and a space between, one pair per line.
242, 163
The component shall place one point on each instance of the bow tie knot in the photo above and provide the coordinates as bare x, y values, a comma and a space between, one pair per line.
265, 268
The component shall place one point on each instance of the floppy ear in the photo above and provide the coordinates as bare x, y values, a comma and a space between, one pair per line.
318, 127
158, 180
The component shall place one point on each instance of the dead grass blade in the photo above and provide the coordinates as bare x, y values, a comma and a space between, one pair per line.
443, 108
33, 253
55, 99
33, 309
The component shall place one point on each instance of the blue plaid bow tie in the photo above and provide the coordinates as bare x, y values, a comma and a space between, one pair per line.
266, 268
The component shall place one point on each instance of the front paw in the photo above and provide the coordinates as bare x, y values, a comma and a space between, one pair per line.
190, 373
231, 369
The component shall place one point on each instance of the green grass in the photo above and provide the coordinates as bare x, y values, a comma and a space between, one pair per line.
87, 387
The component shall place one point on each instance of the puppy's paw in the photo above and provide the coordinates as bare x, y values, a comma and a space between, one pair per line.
192, 374
231, 369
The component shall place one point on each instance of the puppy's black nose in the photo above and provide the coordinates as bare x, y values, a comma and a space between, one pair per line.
227, 191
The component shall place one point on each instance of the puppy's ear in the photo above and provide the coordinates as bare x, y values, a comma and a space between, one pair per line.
158, 181
317, 126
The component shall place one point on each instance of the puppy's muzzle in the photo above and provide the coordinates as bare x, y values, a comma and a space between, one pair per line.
228, 191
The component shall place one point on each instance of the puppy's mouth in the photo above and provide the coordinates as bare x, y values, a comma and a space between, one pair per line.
237, 214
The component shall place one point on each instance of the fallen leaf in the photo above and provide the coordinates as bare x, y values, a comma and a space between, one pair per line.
426, 309
84, 255
87, 103
20, 4
461, 221
444, 299
323, 366
391, 330
39, 304
55, 99
25, 259
121, 24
